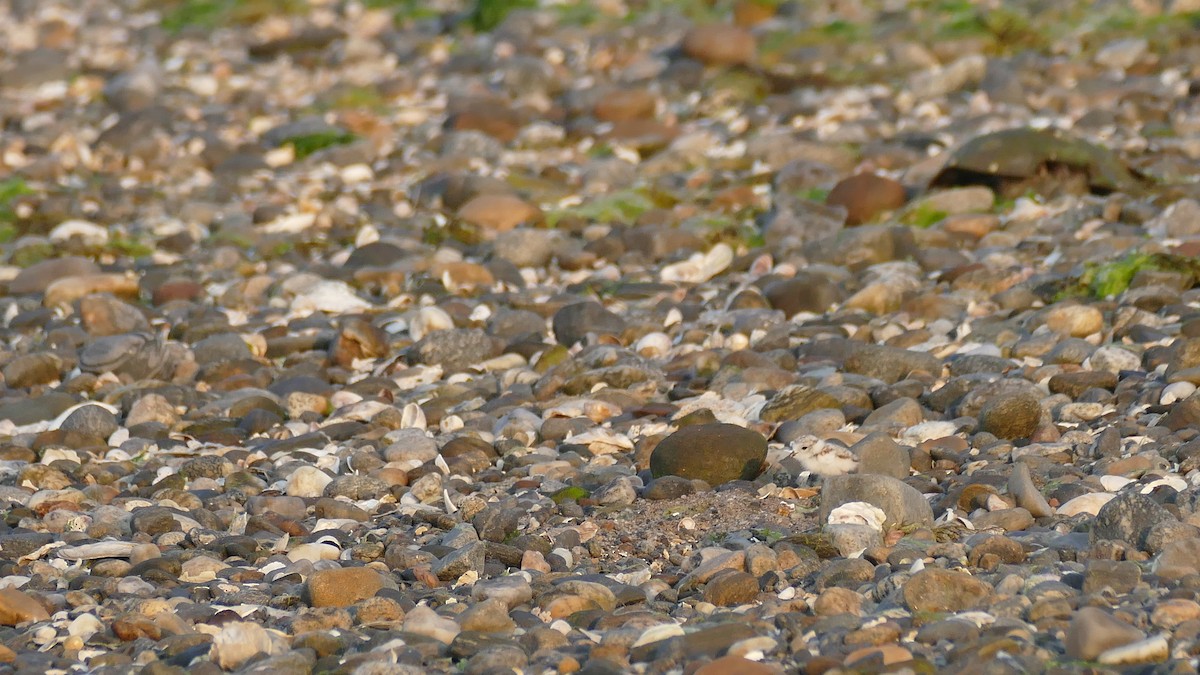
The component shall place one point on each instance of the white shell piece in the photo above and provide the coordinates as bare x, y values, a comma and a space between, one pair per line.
1176, 391
658, 633
412, 417
653, 345
700, 267
427, 320
858, 513
603, 441
1114, 483
1175, 482
1151, 649
1089, 503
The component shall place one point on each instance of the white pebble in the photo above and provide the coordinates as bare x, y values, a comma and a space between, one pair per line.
307, 481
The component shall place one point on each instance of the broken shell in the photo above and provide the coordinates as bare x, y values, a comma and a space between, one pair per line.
1149, 650
858, 513
995, 502
1176, 391
700, 267
653, 345
412, 417
1089, 503
602, 441
428, 320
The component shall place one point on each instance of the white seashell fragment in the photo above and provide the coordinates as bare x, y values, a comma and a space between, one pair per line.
412, 417
356, 173
344, 398
1114, 483
500, 363
290, 223
1150, 650
87, 232
659, 633
653, 345
314, 552
1089, 503
238, 642
44, 635
700, 267
325, 295
1083, 412
428, 320
761, 265
1174, 482
84, 626
858, 513
601, 441
51, 455
996, 503
600, 411
1176, 391
737, 342
361, 411
367, 234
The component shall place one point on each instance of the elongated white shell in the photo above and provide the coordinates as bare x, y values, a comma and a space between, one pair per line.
1151, 649
100, 549
700, 267
602, 441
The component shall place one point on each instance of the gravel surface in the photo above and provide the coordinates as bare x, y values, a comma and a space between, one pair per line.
385, 337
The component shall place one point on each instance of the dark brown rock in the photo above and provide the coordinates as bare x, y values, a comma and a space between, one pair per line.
713, 453
865, 196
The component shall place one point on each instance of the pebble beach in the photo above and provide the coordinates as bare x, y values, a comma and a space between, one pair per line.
689, 337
